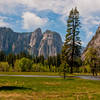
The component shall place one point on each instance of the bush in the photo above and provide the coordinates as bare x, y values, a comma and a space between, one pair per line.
40, 68
85, 69
53, 69
17, 68
4, 66
61, 68
11, 69
25, 64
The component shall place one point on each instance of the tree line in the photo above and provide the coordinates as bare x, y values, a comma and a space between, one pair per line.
24, 60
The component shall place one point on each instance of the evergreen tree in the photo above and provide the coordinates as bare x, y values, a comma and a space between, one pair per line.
2, 56
92, 59
49, 62
41, 59
58, 60
11, 58
72, 44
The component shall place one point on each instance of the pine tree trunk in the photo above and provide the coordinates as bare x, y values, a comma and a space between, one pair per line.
93, 72
64, 74
73, 47
71, 70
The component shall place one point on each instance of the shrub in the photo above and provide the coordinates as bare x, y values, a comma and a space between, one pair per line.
85, 69
25, 64
11, 69
61, 68
17, 68
40, 68
4, 66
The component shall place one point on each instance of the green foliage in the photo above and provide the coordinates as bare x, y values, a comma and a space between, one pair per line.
11, 69
39, 59
90, 56
72, 44
17, 68
25, 64
53, 68
92, 59
19, 62
23, 54
78, 62
58, 60
85, 69
2, 56
64, 67
30, 88
40, 68
4, 66
11, 59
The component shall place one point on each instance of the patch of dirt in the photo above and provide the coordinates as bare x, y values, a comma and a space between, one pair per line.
9, 95
52, 84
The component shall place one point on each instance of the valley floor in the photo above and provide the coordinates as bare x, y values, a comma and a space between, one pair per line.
37, 88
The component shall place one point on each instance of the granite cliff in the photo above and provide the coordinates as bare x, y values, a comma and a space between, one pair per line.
94, 43
37, 43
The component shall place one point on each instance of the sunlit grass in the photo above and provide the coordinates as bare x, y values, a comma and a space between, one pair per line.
14, 88
44, 73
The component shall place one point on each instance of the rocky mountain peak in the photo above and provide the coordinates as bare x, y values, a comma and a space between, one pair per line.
36, 37
48, 44
38, 30
6, 29
48, 31
94, 43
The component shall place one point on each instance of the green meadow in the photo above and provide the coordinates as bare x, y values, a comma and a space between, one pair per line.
22, 88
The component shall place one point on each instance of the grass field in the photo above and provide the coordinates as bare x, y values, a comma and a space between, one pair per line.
44, 73
31, 73
21, 88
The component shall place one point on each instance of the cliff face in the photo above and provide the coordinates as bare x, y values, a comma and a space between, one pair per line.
94, 43
47, 44
35, 40
13, 42
51, 44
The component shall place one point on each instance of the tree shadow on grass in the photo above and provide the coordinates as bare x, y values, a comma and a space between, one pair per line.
5, 88
70, 79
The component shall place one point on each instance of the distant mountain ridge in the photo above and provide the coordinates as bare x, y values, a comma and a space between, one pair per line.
37, 43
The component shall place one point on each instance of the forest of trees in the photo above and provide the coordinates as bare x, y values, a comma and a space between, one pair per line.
24, 62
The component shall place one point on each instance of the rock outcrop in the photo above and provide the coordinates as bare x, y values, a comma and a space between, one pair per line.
13, 42
94, 43
51, 44
35, 40
48, 44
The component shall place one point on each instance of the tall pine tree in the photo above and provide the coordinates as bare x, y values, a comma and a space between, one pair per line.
72, 44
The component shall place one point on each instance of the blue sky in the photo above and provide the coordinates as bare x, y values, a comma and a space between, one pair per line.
27, 15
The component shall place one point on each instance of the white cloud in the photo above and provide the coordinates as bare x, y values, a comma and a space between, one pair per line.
58, 6
89, 23
88, 7
91, 20
3, 23
8, 6
32, 21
